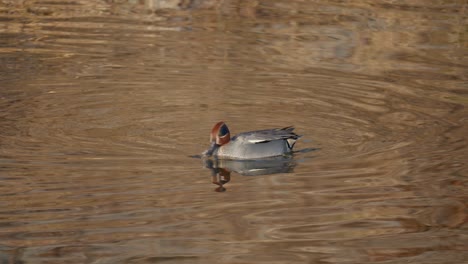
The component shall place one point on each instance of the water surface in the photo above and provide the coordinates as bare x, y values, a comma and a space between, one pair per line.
103, 103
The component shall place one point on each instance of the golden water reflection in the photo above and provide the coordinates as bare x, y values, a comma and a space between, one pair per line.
103, 103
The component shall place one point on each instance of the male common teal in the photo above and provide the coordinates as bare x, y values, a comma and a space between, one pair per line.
250, 145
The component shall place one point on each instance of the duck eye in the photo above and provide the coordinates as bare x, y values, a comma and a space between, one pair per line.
223, 131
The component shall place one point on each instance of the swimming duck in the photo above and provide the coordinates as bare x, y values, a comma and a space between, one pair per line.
250, 145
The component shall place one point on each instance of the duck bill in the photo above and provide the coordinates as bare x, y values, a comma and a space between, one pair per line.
213, 147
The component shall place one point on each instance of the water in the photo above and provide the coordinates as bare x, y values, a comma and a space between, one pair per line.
105, 103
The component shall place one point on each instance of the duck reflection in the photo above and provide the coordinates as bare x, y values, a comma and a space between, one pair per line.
220, 176
221, 169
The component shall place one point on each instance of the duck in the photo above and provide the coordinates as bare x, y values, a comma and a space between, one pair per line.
249, 145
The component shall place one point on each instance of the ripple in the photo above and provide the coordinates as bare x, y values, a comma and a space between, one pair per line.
104, 102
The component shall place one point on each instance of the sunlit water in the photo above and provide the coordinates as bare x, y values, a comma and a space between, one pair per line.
105, 105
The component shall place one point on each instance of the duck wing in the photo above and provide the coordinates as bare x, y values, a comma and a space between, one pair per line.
267, 135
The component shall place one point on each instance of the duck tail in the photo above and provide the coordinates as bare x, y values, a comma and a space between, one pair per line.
291, 142
288, 128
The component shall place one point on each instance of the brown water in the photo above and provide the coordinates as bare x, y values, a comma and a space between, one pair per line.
103, 103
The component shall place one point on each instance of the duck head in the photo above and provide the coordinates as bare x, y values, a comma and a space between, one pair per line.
219, 136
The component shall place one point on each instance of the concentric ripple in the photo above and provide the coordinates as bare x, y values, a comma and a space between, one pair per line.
103, 104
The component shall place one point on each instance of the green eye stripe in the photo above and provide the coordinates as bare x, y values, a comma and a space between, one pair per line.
223, 130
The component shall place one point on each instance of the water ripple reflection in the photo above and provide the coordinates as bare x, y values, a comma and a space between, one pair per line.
103, 102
